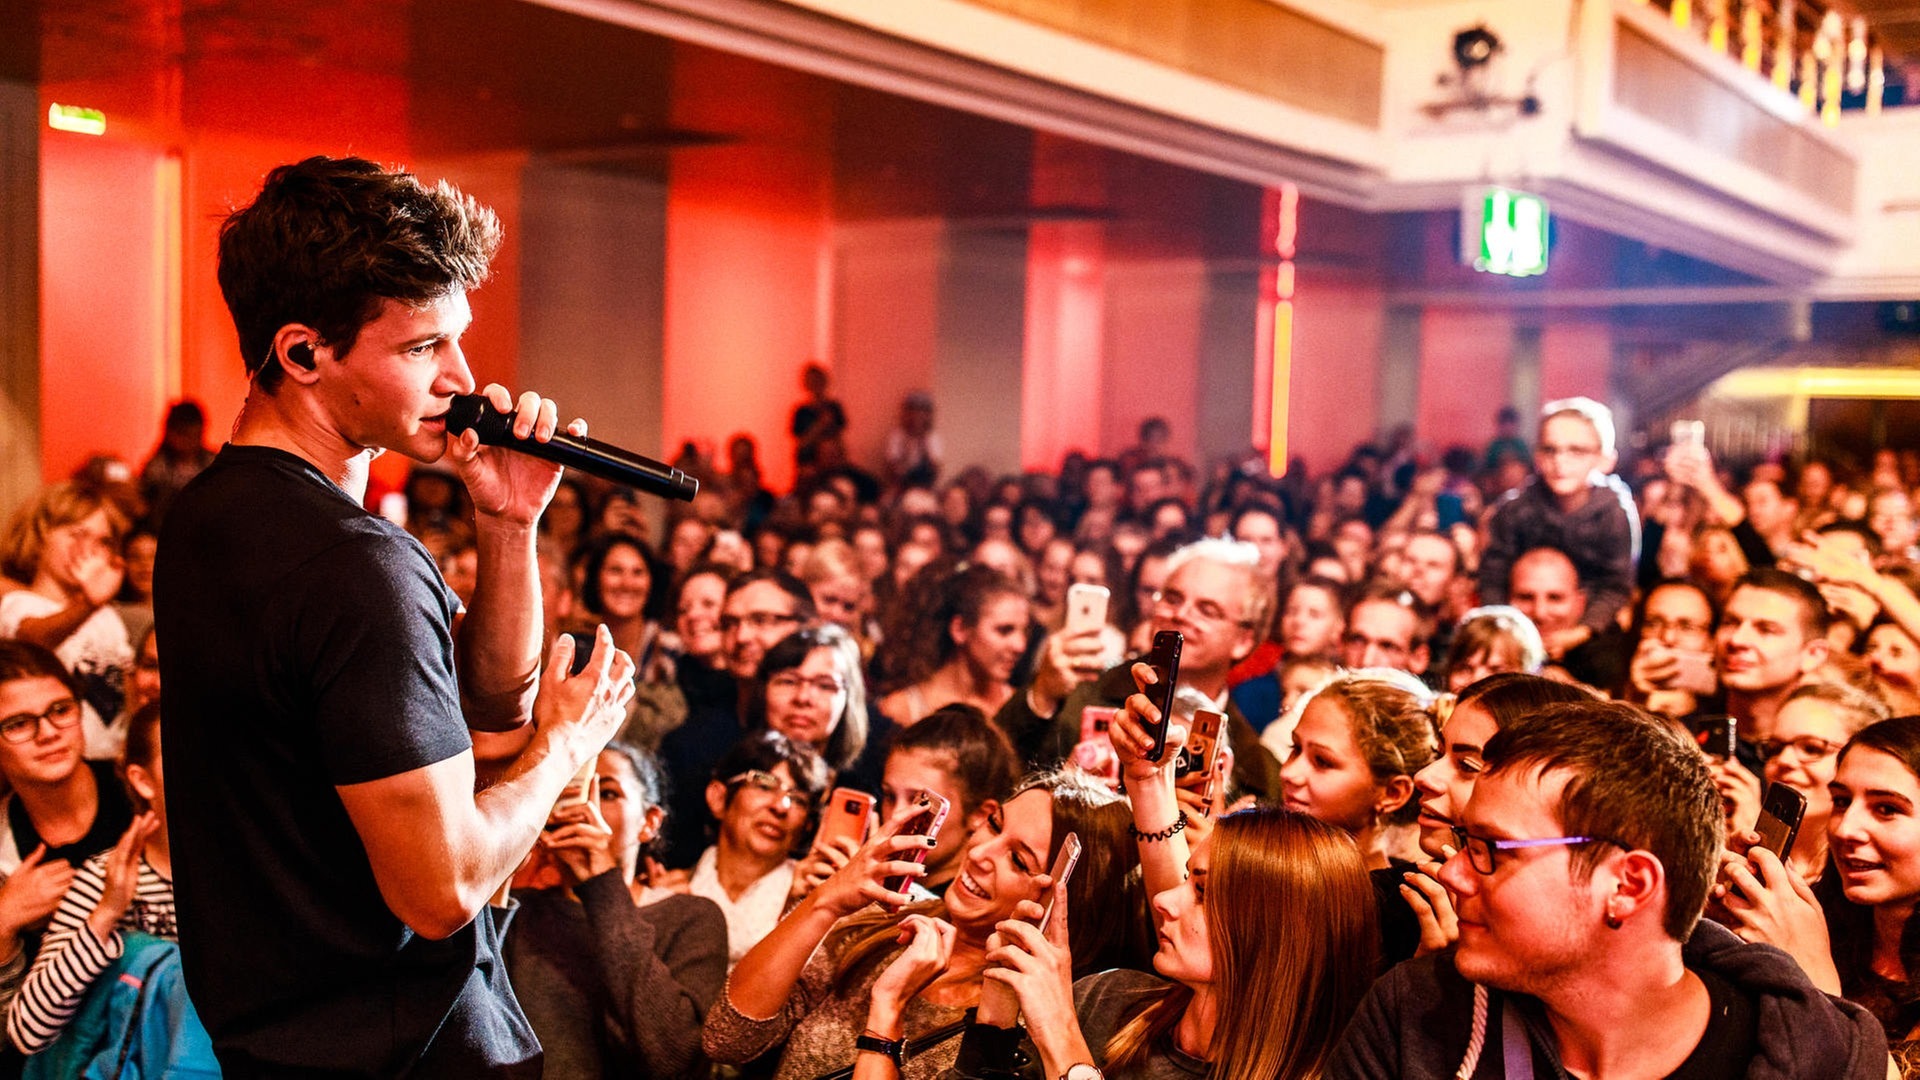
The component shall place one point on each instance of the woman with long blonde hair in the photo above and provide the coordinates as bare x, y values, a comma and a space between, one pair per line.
1239, 994
833, 969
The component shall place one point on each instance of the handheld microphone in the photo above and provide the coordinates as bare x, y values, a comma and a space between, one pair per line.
590, 456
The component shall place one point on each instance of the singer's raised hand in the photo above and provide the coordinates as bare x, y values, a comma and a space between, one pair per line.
504, 485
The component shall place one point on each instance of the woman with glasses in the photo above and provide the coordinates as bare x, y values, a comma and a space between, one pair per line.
1813, 724
1853, 934
1671, 669
809, 688
59, 811
761, 795
823, 989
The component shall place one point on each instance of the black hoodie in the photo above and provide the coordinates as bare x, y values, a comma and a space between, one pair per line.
1418, 1020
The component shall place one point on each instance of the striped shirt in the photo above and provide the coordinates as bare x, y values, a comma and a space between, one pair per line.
71, 957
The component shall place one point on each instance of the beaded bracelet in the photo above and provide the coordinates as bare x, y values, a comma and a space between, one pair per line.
1163, 834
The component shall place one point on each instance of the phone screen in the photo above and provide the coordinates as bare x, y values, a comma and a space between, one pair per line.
1165, 662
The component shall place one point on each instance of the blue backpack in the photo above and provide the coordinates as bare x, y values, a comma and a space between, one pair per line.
134, 1024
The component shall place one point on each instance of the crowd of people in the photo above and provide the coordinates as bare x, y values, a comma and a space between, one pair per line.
1498, 730
1481, 764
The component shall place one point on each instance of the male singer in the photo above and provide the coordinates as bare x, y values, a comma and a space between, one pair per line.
332, 860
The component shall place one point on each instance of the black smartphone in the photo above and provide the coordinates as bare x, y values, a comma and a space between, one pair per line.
1719, 736
1165, 662
1780, 813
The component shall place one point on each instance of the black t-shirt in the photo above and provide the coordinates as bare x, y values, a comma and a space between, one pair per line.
1726, 1048
1732, 1037
312, 648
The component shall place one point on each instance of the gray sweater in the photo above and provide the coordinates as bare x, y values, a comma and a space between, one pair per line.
616, 990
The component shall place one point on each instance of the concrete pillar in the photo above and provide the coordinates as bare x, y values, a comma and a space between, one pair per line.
19, 293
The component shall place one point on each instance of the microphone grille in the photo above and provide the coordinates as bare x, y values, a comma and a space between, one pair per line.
465, 412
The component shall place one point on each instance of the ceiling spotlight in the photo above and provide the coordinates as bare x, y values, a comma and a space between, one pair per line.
1475, 47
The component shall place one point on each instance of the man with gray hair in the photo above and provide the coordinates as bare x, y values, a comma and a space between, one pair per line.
1216, 597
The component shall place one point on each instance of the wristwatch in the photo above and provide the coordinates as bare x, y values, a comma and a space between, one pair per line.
1082, 1071
874, 1044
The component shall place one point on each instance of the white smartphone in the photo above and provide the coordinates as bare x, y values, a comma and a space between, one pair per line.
1086, 607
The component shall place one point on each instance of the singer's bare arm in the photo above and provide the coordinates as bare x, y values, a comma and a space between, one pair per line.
498, 642
438, 850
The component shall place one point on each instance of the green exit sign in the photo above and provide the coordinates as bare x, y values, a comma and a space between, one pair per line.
1503, 231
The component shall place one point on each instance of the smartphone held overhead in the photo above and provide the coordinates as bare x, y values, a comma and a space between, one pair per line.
1165, 662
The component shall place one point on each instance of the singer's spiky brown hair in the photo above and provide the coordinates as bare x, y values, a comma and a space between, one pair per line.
329, 239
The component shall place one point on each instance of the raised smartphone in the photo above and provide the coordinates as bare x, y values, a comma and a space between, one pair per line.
1719, 736
1695, 673
845, 817
1064, 861
1202, 751
1165, 662
1689, 433
1086, 607
926, 823
1780, 813
1094, 752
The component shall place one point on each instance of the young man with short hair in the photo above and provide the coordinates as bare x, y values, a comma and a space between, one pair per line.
1772, 634
1585, 858
334, 858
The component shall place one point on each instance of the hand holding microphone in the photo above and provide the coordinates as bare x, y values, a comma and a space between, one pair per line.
591, 456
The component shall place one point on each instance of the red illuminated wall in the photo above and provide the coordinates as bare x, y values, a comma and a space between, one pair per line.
1336, 364
1153, 340
886, 324
1575, 359
131, 311
748, 250
1465, 370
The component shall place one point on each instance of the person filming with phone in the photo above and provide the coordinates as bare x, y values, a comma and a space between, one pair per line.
1233, 991
334, 856
858, 968
1215, 598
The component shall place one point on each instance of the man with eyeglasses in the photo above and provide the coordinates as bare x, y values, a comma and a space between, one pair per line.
761, 608
1671, 672
1583, 863
1216, 597
1573, 503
